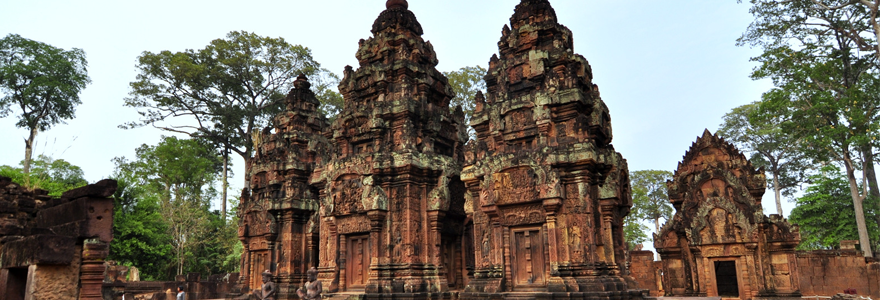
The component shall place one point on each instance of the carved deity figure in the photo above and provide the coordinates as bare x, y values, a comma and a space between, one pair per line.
267, 291
312, 288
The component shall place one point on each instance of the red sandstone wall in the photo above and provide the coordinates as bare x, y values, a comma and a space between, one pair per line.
643, 271
822, 273
826, 273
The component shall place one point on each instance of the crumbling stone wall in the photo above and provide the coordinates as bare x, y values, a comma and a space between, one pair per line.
821, 273
54, 248
217, 286
828, 272
643, 272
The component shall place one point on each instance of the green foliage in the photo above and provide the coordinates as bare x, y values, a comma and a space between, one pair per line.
825, 91
650, 199
770, 147
53, 175
179, 168
324, 85
827, 88
634, 232
225, 91
167, 196
466, 82
40, 80
825, 213
140, 236
42, 83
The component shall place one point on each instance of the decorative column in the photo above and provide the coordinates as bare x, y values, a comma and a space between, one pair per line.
554, 282
434, 219
607, 235
271, 238
92, 269
377, 218
244, 279
328, 271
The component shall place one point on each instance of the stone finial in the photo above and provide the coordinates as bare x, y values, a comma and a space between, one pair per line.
301, 82
391, 4
480, 101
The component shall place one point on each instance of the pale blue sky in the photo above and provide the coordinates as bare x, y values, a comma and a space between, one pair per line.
666, 69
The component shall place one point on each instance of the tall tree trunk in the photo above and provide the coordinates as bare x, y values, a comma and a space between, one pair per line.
29, 151
778, 191
225, 181
871, 180
657, 226
864, 241
868, 154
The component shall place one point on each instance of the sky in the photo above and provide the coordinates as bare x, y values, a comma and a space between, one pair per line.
667, 69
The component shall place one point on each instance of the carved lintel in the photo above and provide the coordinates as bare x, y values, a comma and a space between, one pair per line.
353, 224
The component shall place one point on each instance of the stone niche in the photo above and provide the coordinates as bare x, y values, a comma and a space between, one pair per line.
719, 242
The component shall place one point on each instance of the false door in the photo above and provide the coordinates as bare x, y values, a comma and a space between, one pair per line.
528, 257
357, 262
260, 262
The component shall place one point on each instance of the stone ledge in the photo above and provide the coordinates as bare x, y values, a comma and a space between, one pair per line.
38, 249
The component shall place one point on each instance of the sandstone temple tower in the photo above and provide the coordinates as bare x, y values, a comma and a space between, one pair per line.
546, 191
278, 225
720, 243
389, 202
390, 194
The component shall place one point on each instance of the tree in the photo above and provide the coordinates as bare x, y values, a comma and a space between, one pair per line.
633, 229
179, 173
829, 192
53, 175
650, 196
140, 236
826, 90
466, 82
324, 84
222, 93
770, 147
867, 12
42, 82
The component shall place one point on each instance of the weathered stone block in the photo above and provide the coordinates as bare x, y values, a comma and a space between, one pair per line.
83, 217
38, 249
102, 189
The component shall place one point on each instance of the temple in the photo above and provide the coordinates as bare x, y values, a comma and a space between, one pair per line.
394, 200
546, 191
278, 226
389, 193
389, 201
720, 243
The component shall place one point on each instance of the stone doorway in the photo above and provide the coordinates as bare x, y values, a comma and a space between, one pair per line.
527, 252
261, 264
450, 261
357, 262
726, 279
14, 283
